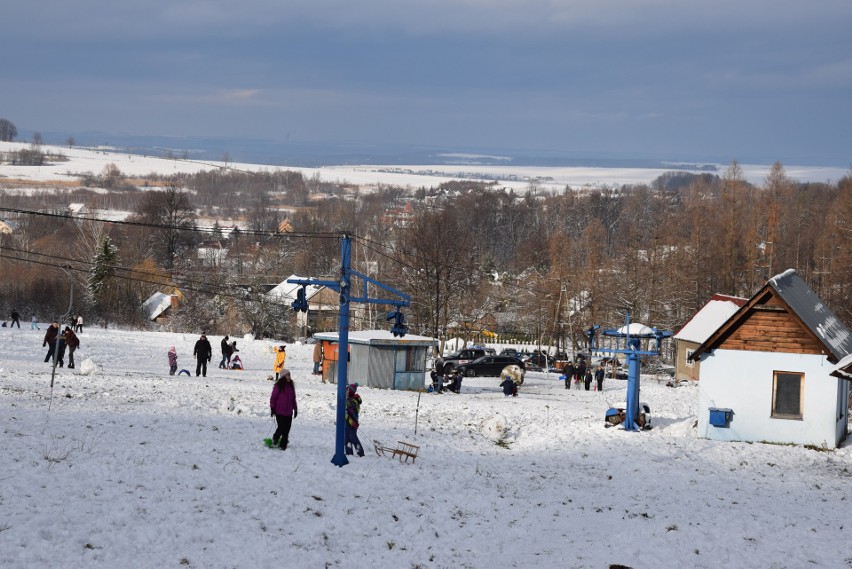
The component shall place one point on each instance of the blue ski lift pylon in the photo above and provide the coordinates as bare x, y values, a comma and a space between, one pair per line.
633, 350
343, 286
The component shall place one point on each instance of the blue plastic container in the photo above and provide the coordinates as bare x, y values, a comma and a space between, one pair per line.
721, 417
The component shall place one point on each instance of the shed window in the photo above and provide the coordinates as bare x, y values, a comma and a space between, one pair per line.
787, 390
689, 362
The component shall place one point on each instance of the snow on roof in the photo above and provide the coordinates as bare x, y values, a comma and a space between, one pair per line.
839, 371
813, 313
288, 290
378, 337
636, 329
707, 320
156, 304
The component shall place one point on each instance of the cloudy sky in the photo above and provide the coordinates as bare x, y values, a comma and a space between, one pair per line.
672, 79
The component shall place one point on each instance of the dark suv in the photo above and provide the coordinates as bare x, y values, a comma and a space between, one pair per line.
489, 366
462, 357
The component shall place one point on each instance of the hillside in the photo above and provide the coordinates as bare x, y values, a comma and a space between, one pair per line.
128, 466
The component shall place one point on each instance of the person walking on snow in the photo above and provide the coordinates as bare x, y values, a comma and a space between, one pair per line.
16, 319
50, 340
34, 324
318, 359
73, 342
283, 406
78, 326
568, 372
280, 356
172, 360
599, 377
203, 353
226, 353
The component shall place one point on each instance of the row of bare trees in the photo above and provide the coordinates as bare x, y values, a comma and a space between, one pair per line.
471, 255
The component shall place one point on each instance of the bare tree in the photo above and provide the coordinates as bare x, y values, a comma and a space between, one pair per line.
174, 216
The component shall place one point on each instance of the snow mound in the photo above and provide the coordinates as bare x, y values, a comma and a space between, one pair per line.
88, 367
248, 338
494, 428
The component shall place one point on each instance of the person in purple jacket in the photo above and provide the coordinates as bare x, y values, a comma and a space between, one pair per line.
283, 407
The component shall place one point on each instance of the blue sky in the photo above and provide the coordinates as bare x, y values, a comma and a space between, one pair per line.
753, 80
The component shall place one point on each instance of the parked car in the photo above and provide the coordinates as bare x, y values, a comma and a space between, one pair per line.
462, 357
540, 360
509, 352
489, 366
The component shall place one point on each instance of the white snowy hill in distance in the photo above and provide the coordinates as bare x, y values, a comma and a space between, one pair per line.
127, 466
518, 178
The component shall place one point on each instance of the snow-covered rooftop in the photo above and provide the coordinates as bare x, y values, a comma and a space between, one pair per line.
707, 320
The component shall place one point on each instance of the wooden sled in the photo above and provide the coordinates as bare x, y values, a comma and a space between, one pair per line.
403, 451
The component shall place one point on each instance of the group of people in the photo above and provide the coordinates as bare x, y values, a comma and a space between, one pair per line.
75, 322
203, 354
284, 407
445, 377
283, 404
230, 358
57, 343
580, 373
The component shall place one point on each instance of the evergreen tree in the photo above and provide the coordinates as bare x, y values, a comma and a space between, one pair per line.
103, 273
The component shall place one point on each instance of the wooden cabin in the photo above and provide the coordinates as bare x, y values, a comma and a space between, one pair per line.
703, 323
766, 372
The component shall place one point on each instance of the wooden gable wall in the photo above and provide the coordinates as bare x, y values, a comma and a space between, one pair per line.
770, 326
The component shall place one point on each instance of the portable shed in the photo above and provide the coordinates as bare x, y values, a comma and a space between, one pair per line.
703, 323
766, 372
377, 358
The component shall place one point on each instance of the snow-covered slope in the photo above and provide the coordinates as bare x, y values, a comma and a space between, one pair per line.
129, 467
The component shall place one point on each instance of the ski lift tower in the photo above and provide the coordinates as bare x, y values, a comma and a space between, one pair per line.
343, 286
632, 335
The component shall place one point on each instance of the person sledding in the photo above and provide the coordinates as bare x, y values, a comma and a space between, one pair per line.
283, 407
236, 362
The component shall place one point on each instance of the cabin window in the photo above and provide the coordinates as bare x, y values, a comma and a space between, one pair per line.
689, 362
787, 395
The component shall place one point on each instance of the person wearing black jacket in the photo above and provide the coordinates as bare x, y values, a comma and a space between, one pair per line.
599, 377
203, 352
50, 340
568, 371
72, 342
226, 353
16, 319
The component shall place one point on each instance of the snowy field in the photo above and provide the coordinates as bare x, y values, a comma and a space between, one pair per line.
129, 467
518, 178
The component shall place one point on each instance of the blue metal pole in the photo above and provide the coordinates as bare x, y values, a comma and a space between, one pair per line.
343, 351
632, 404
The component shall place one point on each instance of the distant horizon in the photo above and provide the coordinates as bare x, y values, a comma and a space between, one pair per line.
315, 153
